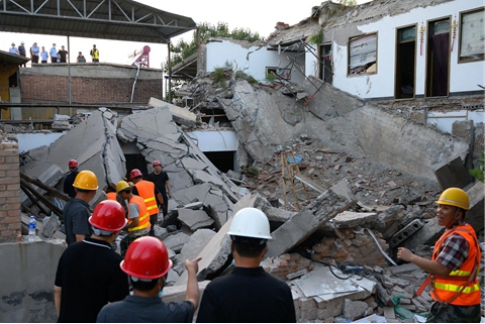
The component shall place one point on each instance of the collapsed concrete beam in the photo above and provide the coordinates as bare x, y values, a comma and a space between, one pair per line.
92, 143
453, 174
216, 253
302, 225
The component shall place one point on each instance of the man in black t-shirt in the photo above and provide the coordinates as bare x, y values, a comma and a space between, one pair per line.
89, 274
248, 294
162, 183
63, 54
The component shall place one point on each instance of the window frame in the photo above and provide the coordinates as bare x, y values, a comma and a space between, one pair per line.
460, 35
354, 38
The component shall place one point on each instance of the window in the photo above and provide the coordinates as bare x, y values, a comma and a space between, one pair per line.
363, 55
283, 73
472, 36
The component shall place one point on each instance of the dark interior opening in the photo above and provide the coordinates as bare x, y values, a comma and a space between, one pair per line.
405, 70
438, 58
135, 161
224, 161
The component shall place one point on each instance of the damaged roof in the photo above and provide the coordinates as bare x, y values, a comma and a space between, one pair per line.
339, 15
121, 19
9, 58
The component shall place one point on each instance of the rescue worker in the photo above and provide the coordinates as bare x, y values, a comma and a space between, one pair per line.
248, 294
454, 264
138, 217
88, 274
76, 211
69, 180
94, 54
149, 193
147, 265
111, 194
162, 183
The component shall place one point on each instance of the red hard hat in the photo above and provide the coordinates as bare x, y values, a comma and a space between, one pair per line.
108, 215
146, 258
135, 173
73, 164
156, 162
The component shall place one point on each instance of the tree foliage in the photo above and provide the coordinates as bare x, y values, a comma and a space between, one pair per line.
348, 2
182, 49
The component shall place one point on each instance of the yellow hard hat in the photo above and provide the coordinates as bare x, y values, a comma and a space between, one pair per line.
86, 180
455, 197
122, 185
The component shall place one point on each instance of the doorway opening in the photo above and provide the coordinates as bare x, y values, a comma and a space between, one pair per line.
136, 161
325, 72
405, 63
438, 58
224, 161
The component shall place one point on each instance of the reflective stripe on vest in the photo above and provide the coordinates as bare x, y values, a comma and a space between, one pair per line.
146, 190
446, 288
144, 219
111, 196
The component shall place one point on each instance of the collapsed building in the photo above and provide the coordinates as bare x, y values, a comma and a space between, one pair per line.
344, 182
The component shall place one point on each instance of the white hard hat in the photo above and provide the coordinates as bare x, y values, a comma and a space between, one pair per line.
250, 222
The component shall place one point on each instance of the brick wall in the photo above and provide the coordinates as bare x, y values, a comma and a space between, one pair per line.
9, 188
49, 88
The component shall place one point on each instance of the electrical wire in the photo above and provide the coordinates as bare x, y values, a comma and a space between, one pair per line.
380, 247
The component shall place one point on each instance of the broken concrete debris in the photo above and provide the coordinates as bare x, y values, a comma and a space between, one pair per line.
367, 170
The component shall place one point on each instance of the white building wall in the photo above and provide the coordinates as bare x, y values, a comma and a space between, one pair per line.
463, 76
215, 140
252, 61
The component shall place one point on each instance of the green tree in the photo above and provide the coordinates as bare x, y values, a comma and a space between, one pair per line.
478, 172
348, 2
182, 49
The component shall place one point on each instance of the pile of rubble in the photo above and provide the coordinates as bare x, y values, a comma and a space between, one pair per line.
334, 247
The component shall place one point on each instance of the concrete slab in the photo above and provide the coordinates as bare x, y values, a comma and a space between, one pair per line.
196, 243
160, 232
176, 241
453, 174
195, 219
349, 219
176, 294
475, 216
302, 225
193, 164
216, 253
96, 148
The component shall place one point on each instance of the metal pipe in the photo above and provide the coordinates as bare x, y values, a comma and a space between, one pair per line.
134, 82
69, 72
169, 75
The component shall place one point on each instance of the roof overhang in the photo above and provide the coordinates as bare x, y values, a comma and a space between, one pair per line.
187, 69
9, 58
106, 19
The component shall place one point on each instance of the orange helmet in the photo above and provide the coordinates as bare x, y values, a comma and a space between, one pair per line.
146, 258
108, 215
135, 173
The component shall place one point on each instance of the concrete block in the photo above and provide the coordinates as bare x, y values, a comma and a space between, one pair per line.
299, 227
474, 216
160, 232
195, 219
348, 219
453, 174
406, 232
428, 235
216, 253
196, 243
478, 145
50, 225
307, 303
176, 241
465, 130
354, 309
176, 294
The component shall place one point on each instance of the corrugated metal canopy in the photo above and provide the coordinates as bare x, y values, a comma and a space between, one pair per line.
9, 58
106, 19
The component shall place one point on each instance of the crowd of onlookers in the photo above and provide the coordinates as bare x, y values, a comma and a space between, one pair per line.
40, 55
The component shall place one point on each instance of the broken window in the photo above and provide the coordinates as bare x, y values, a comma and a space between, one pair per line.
363, 55
405, 62
472, 36
279, 73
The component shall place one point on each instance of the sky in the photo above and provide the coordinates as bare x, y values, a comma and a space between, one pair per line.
257, 15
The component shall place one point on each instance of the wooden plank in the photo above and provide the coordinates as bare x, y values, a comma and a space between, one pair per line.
52, 191
310, 183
